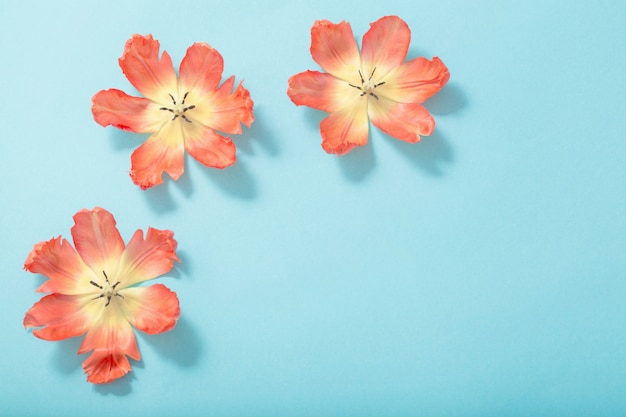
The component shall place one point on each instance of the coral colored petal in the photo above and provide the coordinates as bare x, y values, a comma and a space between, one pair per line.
103, 367
319, 90
116, 108
59, 316
201, 69
154, 78
153, 310
334, 48
145, 259
223, 109
57, 260
111, 341
210, 148
345, 128
415, 81
402, 121
163, 151
385, 45
97, 240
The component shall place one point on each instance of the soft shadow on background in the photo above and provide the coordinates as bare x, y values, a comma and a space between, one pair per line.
358, 163
258, 133
235, 181
181, 345
66, 361
430, 155
123, 140
434, 152
159, 196
450, 100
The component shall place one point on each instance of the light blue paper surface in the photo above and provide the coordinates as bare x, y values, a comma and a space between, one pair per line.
481, 272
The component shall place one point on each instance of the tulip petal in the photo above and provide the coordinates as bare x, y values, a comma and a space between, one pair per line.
59, 316
223, 109
146, 259
345, 128
154, 78
404, 121
153, 309
111, 341
210, 148
103, 367
415, 81
319, 90
136, 114
201, 69
385, 45
163, 151
97, 240
57, 260
334, 48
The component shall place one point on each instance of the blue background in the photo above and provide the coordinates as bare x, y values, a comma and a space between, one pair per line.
481, 272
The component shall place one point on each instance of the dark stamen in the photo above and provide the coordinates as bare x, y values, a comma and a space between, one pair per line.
105, 277
172, 97
184, 97
95, 284
379, 84
193, 106
374, 95
373, 71
356, 86
361, 75
185, 118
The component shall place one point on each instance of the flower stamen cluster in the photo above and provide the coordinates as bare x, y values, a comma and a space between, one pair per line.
109, 291
179, 109
368, 86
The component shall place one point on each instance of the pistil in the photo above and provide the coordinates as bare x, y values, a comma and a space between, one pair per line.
109, 291
367, 87
179, 109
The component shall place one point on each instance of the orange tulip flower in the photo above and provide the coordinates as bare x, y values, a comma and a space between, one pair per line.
94, 291
375, 84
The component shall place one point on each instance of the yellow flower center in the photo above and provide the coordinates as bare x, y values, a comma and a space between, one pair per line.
179, 108
107, 290
368, 86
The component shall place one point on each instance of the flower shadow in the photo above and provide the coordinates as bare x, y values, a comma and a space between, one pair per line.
235, 180
429, 154
180, 345
66, 361
159, 197
313, 118
432, 152
123, 139
356, 165
181, 268
257, 133
449, 100
119, 387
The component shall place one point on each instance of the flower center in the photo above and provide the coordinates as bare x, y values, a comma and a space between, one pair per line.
107, 290
179, 109
368, 86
